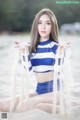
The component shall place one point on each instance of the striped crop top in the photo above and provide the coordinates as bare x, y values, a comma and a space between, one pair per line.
43, 60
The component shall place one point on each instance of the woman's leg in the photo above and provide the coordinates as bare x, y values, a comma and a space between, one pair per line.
47, 107
30, 104
5, 105
33, 101
33, 94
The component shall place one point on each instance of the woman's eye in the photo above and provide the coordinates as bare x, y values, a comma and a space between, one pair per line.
39, 22
48, 23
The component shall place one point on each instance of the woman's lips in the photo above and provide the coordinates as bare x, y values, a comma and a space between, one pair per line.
43, 32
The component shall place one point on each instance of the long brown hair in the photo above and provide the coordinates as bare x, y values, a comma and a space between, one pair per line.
34, 31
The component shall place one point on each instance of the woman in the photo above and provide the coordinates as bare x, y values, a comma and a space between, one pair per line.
42, 51
42, 57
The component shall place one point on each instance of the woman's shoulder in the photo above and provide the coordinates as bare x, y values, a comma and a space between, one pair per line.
53, 43
54, 46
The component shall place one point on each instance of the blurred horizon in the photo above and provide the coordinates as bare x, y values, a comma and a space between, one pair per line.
17, 15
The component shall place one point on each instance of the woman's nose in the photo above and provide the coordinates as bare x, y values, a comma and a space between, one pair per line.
43, 25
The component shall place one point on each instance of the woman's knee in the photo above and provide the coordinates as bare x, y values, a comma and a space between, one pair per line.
32, 94
39, 106
45, 107
4, 107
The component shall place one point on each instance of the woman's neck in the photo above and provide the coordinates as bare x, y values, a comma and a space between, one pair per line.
44, 39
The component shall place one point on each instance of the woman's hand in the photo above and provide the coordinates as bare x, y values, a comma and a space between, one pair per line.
17, 44
63, 47
22, 46
67, 45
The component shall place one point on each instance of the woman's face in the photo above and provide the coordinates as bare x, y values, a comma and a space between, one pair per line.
44, 27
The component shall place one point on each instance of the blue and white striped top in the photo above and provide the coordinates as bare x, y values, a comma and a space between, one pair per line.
43, 60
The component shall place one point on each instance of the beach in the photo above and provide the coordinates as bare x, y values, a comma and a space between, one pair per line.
7, 63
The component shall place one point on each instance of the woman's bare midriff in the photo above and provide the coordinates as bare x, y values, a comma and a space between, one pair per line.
44, 77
